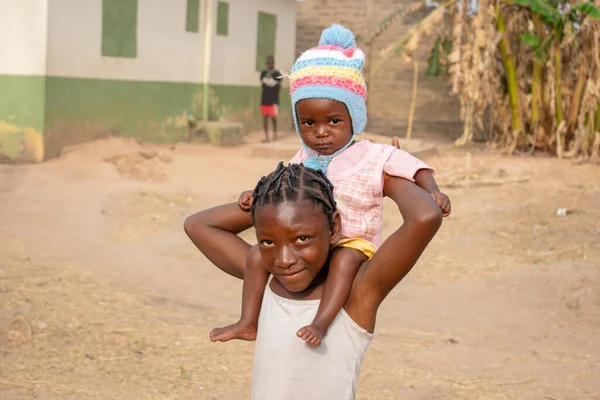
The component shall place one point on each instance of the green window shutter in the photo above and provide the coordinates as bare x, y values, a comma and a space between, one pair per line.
192, 23
119, 28
265, 38
223, 18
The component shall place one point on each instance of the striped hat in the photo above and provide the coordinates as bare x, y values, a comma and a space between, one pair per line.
332, 70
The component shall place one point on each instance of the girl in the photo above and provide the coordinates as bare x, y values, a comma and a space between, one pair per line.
296, 224
328, 97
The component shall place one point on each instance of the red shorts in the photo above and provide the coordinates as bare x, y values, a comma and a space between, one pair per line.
269, 111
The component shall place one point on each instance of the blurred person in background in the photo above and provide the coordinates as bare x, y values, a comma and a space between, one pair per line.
270, 79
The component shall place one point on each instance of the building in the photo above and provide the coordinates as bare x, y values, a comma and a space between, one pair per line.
75, 70
390, 88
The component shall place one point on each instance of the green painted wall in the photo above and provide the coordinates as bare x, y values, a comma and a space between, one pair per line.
68, 111
21, 117
242, 103
79, 110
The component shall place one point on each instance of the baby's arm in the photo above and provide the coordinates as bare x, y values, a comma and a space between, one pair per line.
402, 166
343, 266
425, 180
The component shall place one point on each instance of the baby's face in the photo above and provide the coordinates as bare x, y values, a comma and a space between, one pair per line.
325, 125
294, 239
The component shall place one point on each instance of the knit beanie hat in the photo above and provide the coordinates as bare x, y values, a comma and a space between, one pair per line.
332, 70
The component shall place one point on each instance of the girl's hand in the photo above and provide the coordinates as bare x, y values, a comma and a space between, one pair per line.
245, 200
443, 202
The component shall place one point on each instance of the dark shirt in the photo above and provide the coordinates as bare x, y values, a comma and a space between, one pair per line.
270, 92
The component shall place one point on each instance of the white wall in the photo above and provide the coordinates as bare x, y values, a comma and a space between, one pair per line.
234, 56
23, 37
165, 50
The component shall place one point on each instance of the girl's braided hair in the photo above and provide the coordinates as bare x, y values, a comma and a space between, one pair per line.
294, 183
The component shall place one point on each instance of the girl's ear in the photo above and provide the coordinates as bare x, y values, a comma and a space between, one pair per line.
336, 231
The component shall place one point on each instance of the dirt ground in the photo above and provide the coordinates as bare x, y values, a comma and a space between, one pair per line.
102, 296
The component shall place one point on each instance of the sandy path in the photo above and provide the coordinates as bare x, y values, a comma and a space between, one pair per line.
103, 296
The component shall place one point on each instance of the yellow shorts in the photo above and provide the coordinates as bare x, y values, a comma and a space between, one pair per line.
362, 245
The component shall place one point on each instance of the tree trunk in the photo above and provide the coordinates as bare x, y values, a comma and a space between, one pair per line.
536, 86
577, 95
511, 80
557, 82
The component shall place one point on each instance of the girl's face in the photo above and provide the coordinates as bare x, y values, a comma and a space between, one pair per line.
294, 239
325, 125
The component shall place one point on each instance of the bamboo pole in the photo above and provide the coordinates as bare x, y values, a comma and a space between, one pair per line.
414, 101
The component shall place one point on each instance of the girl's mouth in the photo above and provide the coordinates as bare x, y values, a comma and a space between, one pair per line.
290, 276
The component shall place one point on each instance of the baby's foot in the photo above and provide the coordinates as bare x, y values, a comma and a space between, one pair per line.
311, 334
240, 330
396, 142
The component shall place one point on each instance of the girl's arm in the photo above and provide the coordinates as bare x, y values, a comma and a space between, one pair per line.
214, 232
398, 254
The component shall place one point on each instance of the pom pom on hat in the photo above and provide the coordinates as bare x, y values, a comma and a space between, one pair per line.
337, 35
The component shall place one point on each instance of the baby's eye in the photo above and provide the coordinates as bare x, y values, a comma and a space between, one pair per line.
308, 123
334, 121
302, 239
267, 243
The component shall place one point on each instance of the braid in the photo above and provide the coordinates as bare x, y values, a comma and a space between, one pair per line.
294, 183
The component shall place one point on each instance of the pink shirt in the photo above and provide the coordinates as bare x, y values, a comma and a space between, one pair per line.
357, 177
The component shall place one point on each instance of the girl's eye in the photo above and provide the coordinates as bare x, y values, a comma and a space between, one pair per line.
266, 243
334, 121
303, 239
308, 123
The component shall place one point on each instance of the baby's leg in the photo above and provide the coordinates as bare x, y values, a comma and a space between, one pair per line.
255, 280
343, 267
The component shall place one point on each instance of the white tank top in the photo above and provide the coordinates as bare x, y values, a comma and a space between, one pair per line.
286, 368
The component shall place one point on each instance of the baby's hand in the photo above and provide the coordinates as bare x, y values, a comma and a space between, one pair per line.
443, 201
245, 200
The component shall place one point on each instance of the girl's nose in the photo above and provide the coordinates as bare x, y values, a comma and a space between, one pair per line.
286, 257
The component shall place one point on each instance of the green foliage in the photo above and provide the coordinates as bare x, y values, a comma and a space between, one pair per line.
437, 63
541, 49
588, 9
530, 40
434, 67
547, 12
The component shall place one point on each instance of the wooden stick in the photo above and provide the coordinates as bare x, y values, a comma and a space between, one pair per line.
22, 384
115, 358
551, 397
13, 384
515, 382
414, 101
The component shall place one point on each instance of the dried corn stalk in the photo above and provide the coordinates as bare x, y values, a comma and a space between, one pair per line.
551, 99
